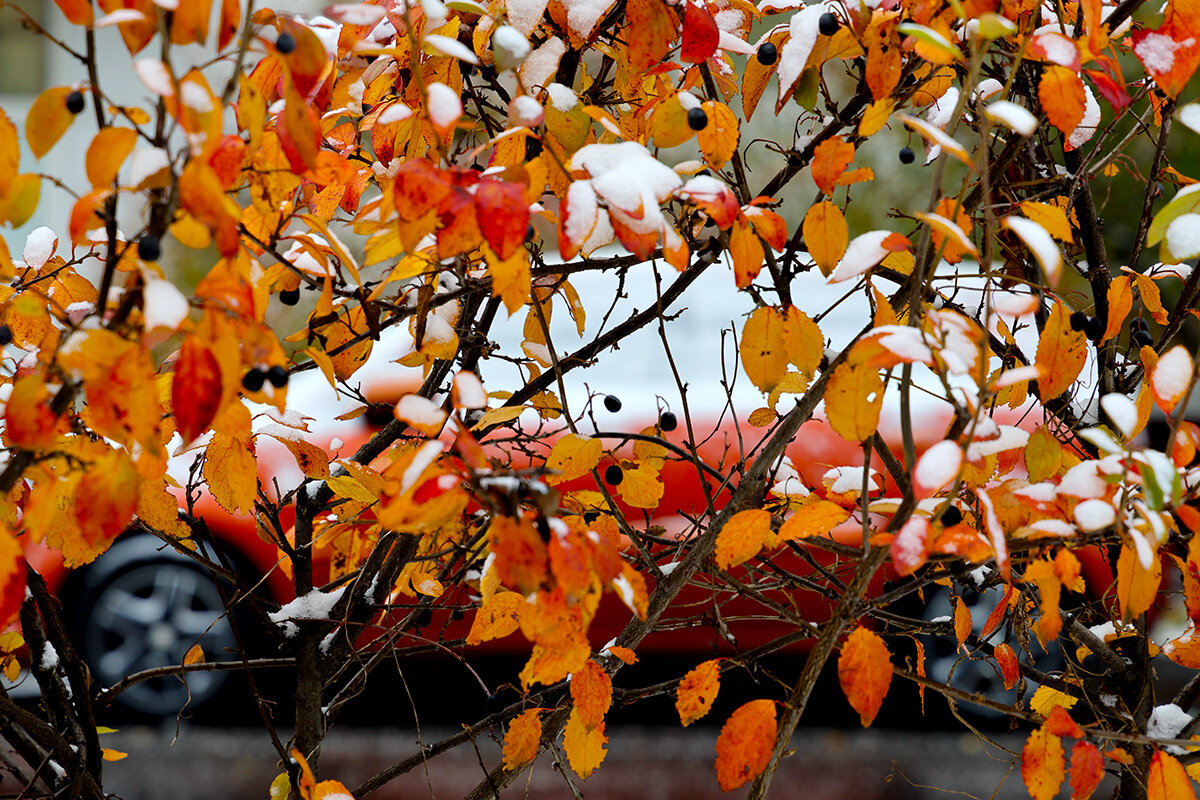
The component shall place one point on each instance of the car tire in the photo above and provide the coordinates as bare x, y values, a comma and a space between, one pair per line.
946, 663
142, 605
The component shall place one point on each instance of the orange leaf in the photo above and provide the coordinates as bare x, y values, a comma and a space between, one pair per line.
1168, 780
196, 389
107, 497
1087, 770
743, 536
1151, 296
757, 75
852, 401
1136, 585
764, 348
194, 655
48, 119
650, 32
12, 579
1062, 97
830, 159
719, 138
202, 196
591, 689
700, 34
623, 653
584, 745
521, 557
814, 518
1061, 354
29, 423
496, 618
106, 153
865, 672
1060, 723
503, 215
77, 12
746, 252
697, 691
523, 738
189, 23
825, 235
85, 215
745, 744
962, 621
1043, 766
769, 225
1009, 669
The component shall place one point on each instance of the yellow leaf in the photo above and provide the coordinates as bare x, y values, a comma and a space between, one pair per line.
744, 535
853, 399
719, 138
1045, 699
761, 417
1061, 354
876, 116
48, 119
816, 517
1050, 216
584, 745
1043, 455
642, 487
523, 738
230, 470
498, 416
573, 456
764, 348
108, 754
510, 277
697, 691
803, 340
106, 153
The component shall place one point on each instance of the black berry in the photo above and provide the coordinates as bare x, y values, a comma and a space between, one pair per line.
952, 516
1138, 324
149, 248
5, 335
1094, 329
612, 403
289, 297
1142, 338
613, 475
252, 381
767, 54
697, 119
907, 156
75, 102
828, 24
278, 376
591, 516
1079, 321
667, 421
286, 43
533, 148
530, 233
457, 614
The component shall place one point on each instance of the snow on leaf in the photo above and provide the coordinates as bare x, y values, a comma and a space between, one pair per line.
744, 535
1122, 412
444, 107
938, 466
1038, 240
524, 15
804, 30
865, 672
1183, 236
451, 47
697, 691
745, 744
421, 413
1094, 515
1012, 116
1171, 377
1189, 116
936, 137
910, 546
1043, 766
1086, 128
862, 253
949, 229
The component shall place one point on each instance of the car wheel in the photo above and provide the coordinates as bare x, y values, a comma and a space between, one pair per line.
946, 663
141, 607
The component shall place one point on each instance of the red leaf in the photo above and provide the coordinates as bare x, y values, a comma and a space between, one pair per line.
700, 34
196, 389
419, 188
1009, 668
1087, 770
503, 215
1060, 724
1109, 89
1171, 53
